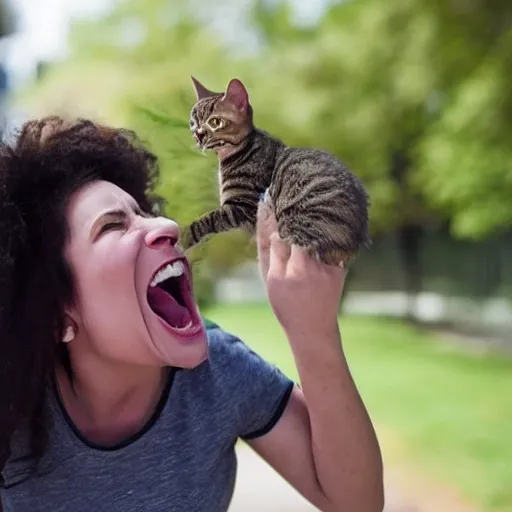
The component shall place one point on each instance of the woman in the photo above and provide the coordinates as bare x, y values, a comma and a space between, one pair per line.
114, 395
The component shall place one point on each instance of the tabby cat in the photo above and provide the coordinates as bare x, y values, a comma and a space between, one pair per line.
319, 205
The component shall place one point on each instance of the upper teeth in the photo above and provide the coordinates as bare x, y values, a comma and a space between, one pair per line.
174, 269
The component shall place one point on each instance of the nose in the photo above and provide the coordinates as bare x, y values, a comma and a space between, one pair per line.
162, 231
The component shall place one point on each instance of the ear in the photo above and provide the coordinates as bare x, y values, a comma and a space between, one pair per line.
237, 94
201, 90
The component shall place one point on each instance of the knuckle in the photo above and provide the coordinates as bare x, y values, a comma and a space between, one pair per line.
294, 280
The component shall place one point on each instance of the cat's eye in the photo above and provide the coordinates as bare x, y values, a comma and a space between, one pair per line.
215, 122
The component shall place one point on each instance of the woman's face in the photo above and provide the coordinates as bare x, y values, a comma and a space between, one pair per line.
133, 291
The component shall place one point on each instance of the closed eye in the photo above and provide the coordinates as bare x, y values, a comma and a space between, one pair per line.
121, 223
109, 226
115, 220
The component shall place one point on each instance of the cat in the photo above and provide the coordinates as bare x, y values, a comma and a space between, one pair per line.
319, 205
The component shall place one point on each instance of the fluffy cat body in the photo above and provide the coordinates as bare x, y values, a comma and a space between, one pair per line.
318, 203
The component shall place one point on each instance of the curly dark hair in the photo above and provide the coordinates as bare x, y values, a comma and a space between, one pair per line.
50, 159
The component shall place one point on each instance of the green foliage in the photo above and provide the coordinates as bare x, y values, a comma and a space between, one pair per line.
423, 79
466, 158
145, 85
412, 94
7, 19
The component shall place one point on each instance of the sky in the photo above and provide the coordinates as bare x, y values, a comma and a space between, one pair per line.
42, 31
43, 26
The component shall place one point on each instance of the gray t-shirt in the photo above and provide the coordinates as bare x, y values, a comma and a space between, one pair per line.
182, 461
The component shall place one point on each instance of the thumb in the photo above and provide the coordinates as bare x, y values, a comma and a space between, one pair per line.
280, 253
265, 225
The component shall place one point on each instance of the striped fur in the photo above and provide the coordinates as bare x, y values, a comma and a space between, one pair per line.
319, 204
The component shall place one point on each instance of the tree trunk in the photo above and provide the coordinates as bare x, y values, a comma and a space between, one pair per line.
409, 247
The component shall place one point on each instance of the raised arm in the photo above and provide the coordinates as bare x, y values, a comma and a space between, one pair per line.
324, 443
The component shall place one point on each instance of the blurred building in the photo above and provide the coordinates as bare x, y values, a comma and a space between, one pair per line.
465, 287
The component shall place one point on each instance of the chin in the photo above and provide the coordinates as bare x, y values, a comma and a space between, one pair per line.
191, 361
187, 355
173, 347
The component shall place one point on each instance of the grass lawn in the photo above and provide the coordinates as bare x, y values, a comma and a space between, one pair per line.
452, 410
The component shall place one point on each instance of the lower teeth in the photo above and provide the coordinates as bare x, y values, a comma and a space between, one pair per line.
190, 324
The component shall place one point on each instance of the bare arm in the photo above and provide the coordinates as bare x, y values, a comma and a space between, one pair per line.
324, 444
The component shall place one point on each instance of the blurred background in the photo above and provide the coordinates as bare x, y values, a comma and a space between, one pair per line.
415, 97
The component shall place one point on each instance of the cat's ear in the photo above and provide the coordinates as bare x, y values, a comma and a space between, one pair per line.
201, 90
237, 94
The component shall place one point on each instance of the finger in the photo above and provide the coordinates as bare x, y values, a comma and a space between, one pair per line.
265, 226
302, 261
279, 254
300, 257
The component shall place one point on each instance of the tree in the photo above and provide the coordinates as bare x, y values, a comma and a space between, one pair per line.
411, 94
466, 157
7, 19
133, 68
386, 86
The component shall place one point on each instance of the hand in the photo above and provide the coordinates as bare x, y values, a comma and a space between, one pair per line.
303, 293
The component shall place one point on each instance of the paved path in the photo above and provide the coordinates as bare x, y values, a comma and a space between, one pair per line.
260, 489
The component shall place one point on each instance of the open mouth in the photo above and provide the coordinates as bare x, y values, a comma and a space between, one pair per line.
170, 297
199, 137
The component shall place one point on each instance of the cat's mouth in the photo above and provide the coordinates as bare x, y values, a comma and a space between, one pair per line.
214, 145
199, 136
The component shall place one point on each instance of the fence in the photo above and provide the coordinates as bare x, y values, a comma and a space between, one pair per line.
465, 285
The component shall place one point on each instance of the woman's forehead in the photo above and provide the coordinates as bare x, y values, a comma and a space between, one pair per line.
96, 198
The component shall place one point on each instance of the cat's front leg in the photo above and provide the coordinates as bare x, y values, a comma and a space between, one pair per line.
225, 218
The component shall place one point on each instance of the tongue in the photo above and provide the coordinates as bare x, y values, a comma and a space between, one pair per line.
166, 307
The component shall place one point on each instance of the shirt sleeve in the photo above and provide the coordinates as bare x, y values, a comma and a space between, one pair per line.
258, 390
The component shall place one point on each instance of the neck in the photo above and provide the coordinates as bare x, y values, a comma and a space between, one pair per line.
229, 150
110, 402
256, 142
